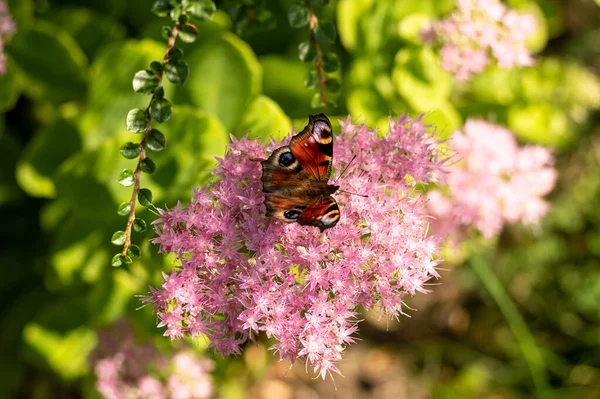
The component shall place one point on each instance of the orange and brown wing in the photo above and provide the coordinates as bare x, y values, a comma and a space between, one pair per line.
323, 213
313, 147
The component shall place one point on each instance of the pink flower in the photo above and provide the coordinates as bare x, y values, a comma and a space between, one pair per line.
7, 29
478, 32
242, 274
127, 370
493, 182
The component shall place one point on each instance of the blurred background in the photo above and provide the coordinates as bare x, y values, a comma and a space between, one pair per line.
513, 316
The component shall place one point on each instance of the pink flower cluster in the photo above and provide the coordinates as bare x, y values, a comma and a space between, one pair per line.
479, 31
241, 274
126, 370
7, 28
493, 182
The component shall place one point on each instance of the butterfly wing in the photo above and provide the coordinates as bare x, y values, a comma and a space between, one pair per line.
313, 147
295, 177
323, 212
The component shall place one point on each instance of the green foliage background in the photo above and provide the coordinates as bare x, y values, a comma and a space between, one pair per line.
64, 101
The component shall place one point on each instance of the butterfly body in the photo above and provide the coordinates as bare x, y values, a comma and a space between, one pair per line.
295, 178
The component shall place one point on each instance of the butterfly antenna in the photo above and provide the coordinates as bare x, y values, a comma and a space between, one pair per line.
348, 192
344, 171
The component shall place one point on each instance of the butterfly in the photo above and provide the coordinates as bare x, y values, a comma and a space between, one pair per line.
295, 178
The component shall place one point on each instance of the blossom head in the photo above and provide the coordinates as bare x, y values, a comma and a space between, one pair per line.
125, 369
493, 181
242, 273
480, 32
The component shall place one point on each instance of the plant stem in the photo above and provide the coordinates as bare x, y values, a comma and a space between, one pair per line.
138, 169
314, 21
521, 332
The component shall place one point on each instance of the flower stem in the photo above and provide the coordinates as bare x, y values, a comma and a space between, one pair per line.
314, 21
138, 169
526, 341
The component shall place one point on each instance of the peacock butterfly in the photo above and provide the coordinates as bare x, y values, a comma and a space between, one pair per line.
295, 178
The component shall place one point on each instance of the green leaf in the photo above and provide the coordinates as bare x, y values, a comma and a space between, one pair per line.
160, 110
148, 166
306, 51
298, 15
162, 7
331, 63
333, 85
183, 19
139, 225
116, 260
124, 209
118, 238
156, 67
137, 121
319, 3
127, 259
92, 30
133, 251
160, 92
130, 150
311, 80
145, 197
188, 33
325, 34
316, 101
11, 85
156, 140
166, 31
540, 123
225, 75
420, 80
177, 71
264, 118
200, 9
126, 178
145, 82
175, 11
53, 61
44, 154
175, 53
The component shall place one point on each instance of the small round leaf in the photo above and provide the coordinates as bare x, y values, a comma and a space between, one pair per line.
148, 166
166, 31
159, 93
126, 259
331, 63
133, 251
156, 140
298, 15
126, 178
162, 7
137, 121
145, 197
311, 80
307, 52
123, 209
160, 110
130, 150
118, 238
325, 34
156, 66
175, 13
316, 101
177, 71
188, 33
200, 9
333, 85
145, 82
183, 19
175, 53
116, 260
139, 225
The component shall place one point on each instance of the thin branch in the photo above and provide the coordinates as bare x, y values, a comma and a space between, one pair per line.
138, 169
314, 21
